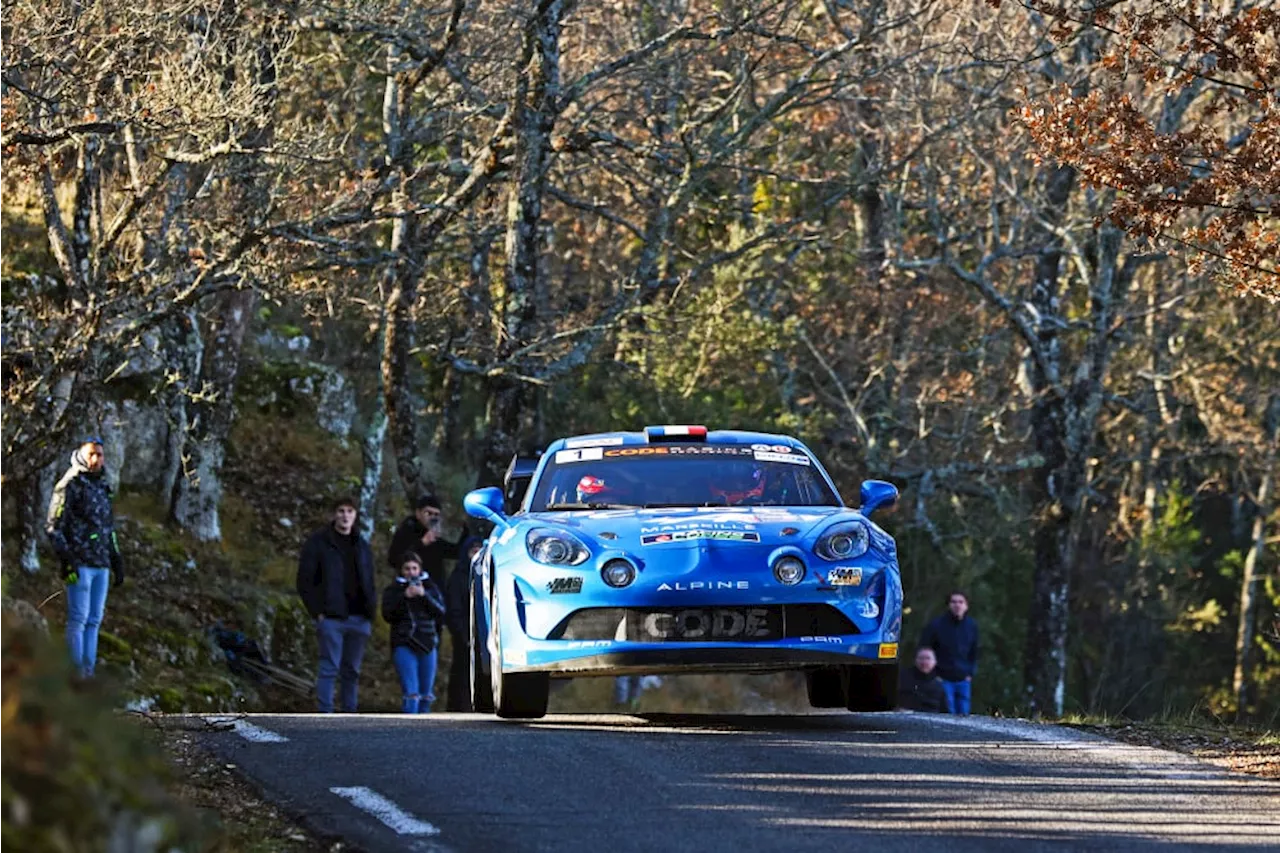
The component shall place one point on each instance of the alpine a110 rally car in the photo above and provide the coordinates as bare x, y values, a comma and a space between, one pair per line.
678, 550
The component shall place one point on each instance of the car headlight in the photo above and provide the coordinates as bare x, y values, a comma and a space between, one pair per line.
555, 547
843, 541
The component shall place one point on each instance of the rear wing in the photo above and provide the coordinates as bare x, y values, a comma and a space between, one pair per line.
516, 481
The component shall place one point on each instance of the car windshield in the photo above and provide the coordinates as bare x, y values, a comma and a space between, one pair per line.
680, 475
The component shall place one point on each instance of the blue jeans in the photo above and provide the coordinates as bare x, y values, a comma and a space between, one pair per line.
957, 695
86, 602
342, 643
417, 671
626, 689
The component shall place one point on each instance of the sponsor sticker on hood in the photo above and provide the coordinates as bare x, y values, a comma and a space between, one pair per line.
687, 535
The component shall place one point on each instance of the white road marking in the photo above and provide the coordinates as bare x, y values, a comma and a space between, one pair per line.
249, 731
386, 811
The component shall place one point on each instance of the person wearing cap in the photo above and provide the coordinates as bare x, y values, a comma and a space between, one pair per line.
81, 527
335, 582
421, 534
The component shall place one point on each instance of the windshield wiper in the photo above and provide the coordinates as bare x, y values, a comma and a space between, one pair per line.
702, 505
591, 505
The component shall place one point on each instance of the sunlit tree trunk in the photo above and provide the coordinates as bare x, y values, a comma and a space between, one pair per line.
1245, 651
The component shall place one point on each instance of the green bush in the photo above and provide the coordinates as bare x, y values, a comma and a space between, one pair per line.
79, 776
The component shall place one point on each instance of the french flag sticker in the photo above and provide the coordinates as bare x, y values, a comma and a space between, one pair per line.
679, 432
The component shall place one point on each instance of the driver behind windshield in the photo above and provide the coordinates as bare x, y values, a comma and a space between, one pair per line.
592, 489
739, 484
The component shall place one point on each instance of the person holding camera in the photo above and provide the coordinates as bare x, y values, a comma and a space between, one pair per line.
414, 606
421, 534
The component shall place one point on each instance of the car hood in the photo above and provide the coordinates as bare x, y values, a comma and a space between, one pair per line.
632, 530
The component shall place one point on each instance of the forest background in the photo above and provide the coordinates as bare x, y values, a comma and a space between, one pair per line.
1017, 258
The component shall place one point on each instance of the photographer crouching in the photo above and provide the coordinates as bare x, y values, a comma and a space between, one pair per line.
414, 607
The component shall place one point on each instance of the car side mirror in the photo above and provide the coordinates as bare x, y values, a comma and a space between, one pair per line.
877, 494
487, 504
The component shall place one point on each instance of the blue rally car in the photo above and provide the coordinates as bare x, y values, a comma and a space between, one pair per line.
678, 550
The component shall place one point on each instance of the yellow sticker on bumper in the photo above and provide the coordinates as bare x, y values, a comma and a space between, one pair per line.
888, 650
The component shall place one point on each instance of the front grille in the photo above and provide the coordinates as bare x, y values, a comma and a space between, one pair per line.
767, 622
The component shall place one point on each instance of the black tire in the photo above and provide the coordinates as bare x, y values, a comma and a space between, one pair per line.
481, 691
825, 687
872, 688
516, 695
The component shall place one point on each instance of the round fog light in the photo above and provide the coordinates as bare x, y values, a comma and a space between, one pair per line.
618, 573
789, 570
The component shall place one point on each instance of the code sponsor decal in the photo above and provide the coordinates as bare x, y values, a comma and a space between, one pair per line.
687, 535
709, 450
695, 624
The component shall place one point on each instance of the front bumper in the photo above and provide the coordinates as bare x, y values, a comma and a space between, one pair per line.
569, 658
824, 625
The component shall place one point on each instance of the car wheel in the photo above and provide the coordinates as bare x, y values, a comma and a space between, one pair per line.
516, 695
481, 692
872, 688
825, 687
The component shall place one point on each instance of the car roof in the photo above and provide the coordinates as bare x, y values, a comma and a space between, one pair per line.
719, 436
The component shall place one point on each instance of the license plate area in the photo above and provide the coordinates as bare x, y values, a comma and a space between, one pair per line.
705, 624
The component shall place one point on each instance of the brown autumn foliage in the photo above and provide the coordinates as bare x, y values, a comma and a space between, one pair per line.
1209, 187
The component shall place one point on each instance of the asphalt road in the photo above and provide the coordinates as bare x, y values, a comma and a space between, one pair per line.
740, 784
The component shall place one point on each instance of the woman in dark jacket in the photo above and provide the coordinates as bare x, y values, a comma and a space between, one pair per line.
414, 607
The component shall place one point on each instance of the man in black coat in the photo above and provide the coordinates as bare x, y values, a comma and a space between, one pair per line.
420, 533
920, 688
335, 581
954, 638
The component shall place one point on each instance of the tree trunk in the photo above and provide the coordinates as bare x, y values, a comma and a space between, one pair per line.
199, 491
371, 454
401, 280
1249, 583
504, 422
186, 349
1047, 623
535, 112
31, 519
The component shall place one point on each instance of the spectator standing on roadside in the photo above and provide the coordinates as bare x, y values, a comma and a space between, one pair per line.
921, 689
81, 527
335, 582
457, 617
954, 638
413, 606
421, 534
